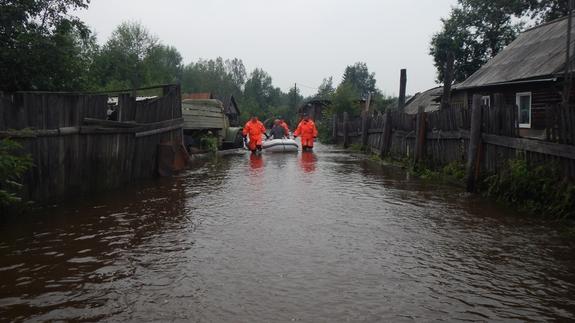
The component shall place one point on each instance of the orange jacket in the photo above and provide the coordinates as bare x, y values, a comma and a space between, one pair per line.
254, 129
285, 126
306, 129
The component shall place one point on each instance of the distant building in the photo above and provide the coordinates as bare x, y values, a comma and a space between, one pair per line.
430, 100
231, 109
314, 108
198, 96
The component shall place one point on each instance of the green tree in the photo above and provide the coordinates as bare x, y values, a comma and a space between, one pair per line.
360, 79
12, 167
133, 58
293, 98
345, 99
216, 76
163, 65
43, 45
260, 94
326, 89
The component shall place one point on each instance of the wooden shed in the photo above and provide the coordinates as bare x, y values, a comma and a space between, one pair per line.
231, 109
314, 108
529, 73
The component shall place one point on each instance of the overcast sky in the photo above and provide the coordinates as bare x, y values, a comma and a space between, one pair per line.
295, 41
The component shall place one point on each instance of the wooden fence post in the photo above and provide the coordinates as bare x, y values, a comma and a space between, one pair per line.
365, 124
345, 130
420, 132
334, 128
472, 169
364, 131
402, 89
386, 135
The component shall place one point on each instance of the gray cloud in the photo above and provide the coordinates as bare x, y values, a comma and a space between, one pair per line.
299, 41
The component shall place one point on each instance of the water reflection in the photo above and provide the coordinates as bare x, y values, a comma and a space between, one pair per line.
256, 162
308, 161
321, 236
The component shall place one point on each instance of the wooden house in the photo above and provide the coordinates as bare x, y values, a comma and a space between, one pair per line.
231, 109
430, 100
314, 108
529, 73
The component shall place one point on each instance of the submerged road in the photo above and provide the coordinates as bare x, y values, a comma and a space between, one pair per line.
318, 237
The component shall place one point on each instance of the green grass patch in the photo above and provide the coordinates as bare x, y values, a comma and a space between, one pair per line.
13, 164
540, 189
209, 143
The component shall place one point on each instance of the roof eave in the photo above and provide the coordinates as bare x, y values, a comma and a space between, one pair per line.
538, 80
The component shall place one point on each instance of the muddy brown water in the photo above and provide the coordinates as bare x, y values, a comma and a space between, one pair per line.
315, 237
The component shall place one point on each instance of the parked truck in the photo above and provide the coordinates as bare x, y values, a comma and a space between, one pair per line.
206, 126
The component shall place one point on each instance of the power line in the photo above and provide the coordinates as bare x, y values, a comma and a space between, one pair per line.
307, 86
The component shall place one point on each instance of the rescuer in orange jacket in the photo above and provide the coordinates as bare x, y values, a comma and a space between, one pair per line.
254, 129
307, 131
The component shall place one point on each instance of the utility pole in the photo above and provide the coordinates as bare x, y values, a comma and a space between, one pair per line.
295, 97
402, 89
567, 79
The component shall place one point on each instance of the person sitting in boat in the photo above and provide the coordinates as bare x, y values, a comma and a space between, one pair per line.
278, 131
308, 132
284, 125
254, 129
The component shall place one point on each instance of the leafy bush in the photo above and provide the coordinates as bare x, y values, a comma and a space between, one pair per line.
209, 143
324, 133
536, 189
454, 170
12, 167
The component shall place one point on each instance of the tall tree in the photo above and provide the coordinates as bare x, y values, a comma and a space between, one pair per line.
294, 98
359, 78
326, 88
260, 96
43, 45
215, 75
134, 58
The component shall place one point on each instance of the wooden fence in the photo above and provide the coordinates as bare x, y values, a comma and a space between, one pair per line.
483, 138
76, 150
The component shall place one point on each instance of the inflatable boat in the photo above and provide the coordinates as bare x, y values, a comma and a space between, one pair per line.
280, 145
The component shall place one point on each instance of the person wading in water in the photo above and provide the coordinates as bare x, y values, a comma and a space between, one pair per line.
307, 131
254, 130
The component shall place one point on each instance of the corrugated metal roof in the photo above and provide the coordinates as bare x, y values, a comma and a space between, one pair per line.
430, 100
537, 52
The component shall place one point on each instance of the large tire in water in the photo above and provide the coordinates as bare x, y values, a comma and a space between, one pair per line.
237, 143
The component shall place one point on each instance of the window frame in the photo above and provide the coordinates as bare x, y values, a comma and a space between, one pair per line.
486, 98
517, 102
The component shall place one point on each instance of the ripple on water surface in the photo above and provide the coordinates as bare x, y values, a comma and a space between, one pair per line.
323, 236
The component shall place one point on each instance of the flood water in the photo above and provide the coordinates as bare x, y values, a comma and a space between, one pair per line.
314, 237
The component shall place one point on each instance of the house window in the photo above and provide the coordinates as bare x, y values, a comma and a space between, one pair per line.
486, 101
523, 101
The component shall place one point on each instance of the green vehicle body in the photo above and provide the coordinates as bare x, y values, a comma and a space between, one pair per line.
207, 118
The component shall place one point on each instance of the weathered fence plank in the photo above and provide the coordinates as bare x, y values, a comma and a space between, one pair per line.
420, 133
76, 150
474, 143
448, 137
345, 130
